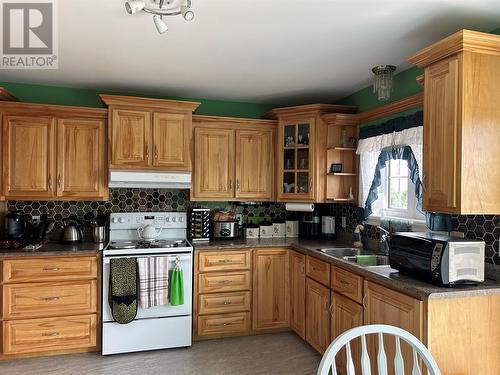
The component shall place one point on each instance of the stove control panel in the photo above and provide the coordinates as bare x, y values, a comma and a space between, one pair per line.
136, 220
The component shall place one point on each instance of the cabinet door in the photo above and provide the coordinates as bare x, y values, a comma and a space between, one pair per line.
346, 314
270, 289
298, 293
254, 164
296, 160
386, 306
130, 138
213, 176
172, 135
28, 157
81, 171
317, 315
441, 175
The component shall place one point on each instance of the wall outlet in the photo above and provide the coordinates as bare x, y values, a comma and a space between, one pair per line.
239, 217
35, 220
343, 222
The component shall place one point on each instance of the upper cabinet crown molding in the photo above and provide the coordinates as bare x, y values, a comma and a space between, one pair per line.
232, 121
340, 119
310, 110
52, 110
401, 105
463, 40
5, 95
150, 103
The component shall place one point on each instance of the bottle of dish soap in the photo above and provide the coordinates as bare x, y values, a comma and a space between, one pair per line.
356, 236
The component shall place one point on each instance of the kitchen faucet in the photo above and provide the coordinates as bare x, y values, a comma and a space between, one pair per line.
383, 245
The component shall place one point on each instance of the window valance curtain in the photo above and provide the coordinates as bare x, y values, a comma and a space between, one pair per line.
399, 138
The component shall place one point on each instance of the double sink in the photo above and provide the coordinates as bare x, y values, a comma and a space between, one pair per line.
359, 256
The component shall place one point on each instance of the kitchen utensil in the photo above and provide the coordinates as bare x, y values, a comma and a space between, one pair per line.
72, 229
99, 234
148, 233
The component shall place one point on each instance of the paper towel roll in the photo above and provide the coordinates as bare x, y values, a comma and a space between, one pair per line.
302, 207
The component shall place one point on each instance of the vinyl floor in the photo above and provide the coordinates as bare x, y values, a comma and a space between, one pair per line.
269, 354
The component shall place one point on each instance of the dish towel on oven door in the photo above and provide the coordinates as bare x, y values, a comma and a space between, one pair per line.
153, 281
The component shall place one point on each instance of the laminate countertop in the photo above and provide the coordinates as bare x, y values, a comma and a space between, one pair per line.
383, 275
55, 249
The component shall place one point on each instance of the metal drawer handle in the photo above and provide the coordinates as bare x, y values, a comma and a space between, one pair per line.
344, 282
50, 298
224, 282
225, 261
50, 334
52, 269
316, 269
226, 303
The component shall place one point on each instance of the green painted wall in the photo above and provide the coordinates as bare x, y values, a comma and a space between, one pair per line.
90, 98
404, 85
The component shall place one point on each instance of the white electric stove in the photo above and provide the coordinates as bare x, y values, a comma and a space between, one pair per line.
158, 327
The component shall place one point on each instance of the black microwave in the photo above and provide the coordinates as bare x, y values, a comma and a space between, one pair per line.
437, 258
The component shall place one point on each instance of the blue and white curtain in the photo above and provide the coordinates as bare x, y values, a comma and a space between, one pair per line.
399, 138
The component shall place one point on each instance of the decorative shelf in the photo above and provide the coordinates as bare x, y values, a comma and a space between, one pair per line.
338, 148
342, 174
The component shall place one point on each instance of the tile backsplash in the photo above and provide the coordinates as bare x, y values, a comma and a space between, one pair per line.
481, 227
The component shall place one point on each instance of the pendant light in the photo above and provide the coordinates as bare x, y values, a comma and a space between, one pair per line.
382, 82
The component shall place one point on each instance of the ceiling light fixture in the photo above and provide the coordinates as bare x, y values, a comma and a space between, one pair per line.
382, 82
161, 8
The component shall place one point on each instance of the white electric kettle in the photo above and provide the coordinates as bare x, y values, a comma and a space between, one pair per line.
148, 233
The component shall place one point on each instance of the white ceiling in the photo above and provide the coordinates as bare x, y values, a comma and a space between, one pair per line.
263, 51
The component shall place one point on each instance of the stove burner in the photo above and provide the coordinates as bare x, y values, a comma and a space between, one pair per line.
123, 245
165, 244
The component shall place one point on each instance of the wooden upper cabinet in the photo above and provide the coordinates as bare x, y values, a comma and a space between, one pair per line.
302, 151
298, 293
214, 163
150, 133
81, 170
130, 138
254, 164
28, 157
461, 123
172, 134
270, 289
441, 152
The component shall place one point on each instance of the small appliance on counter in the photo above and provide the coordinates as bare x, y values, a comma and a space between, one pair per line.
252, 231
292, 228
310, 224
15, 225
328, 226
225, 225
199, 224
72, 230
266, 229
279, 229
437, 258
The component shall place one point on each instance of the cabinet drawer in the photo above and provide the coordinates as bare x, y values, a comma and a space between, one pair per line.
347, 283
318, 270
219, 303
49, 269
224, 282
224, 261
38, 335
223, 324
33, 300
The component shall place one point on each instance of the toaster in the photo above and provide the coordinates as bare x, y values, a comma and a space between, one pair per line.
437, 258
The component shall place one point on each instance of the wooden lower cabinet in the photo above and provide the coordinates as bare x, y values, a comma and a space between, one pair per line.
271, 289
386, 306
317, 315
49, 334
49, 305
346, 314
223, 324
298, 293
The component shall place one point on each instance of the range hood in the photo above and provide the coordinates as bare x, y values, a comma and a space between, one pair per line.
150, 179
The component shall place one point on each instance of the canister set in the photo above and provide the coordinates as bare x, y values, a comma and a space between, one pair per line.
289, 228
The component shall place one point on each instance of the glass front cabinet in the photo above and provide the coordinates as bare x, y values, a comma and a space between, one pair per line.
302, 142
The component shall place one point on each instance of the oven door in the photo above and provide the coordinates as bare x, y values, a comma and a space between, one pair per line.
186, 264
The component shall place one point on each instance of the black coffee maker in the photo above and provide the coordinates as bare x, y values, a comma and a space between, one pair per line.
15, 225
310, 224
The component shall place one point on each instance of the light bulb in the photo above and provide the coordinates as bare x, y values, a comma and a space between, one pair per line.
134, 6
187, 13
160, 25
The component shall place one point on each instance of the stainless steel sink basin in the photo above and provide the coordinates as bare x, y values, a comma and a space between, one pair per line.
368, 260
341, 252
